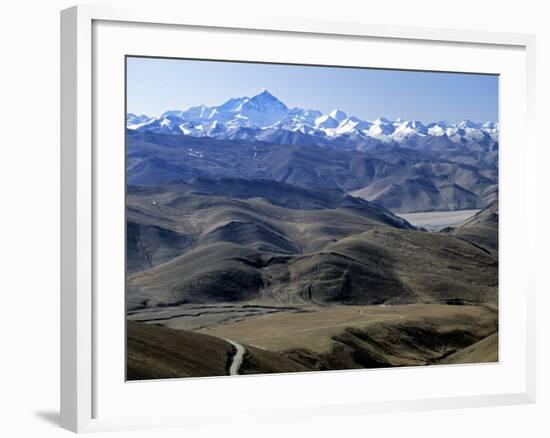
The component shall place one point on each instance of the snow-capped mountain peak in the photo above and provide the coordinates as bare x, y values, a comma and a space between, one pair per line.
352, 125
264, 101
326, 122
338, 115
264, 117
468, 124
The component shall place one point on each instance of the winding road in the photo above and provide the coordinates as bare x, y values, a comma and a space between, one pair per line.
237, 359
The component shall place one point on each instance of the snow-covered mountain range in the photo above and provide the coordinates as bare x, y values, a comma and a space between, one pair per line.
263, 117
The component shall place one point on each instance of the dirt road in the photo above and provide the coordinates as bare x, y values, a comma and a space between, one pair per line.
237, 359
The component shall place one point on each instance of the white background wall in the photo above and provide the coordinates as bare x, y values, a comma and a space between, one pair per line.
29, 219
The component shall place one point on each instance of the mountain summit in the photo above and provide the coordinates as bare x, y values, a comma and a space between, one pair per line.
265, 101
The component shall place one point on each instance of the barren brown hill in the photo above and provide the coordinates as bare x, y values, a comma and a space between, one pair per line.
254, 246
342, 337
383, 265
433, 266
481, 230
155, 352
483, 351
166, 221
429, 335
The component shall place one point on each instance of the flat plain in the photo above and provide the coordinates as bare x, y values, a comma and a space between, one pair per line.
437, 220
316, 328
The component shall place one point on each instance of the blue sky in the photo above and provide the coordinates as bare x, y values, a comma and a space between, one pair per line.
156, 85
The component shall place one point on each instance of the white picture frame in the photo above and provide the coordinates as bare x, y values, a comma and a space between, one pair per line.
84, 371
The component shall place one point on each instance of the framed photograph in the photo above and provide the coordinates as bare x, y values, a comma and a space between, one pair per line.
288, 218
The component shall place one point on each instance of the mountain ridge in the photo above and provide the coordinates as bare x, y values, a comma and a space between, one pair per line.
265, 117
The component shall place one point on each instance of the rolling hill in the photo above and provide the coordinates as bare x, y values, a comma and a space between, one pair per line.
156, 352
255, 244
481, 230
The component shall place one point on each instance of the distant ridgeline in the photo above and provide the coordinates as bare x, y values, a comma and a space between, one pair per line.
265, 118
404, 166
